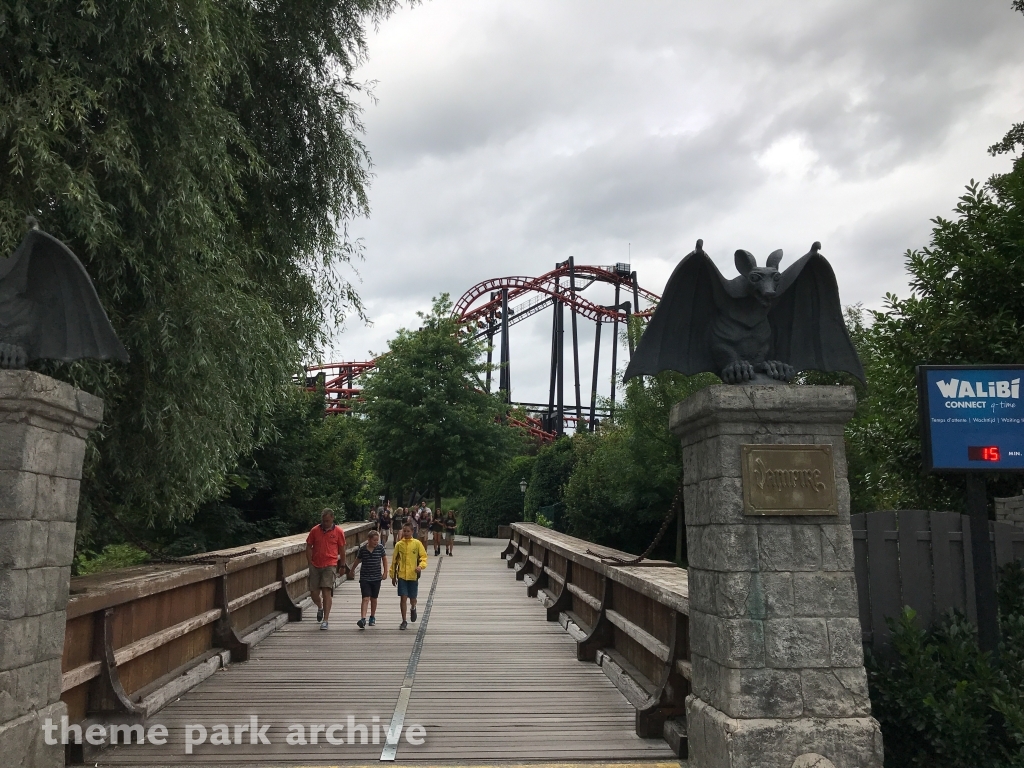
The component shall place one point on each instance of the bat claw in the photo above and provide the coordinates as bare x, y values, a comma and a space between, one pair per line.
737, 372
12, 355
778, 370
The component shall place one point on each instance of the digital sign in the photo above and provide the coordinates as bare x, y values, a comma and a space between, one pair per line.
972, 417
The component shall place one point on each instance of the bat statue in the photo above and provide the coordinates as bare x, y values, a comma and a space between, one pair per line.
762, 327
49, 308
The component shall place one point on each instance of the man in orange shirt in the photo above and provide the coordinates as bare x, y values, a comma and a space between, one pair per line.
325, 551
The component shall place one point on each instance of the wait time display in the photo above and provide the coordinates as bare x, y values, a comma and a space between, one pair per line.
972, 417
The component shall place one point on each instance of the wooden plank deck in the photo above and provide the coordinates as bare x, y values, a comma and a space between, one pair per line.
495, 682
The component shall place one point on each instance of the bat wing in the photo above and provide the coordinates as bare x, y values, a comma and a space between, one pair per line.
677, 339
70, 323
808, 330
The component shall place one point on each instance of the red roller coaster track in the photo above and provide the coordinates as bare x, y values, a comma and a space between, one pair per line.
558, 288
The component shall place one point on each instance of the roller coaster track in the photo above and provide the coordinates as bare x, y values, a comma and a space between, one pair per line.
479, 311
547, 289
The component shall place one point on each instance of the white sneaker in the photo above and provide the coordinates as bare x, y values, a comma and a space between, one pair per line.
323, 625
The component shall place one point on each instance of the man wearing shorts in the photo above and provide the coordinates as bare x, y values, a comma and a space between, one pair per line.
325, 553
449, 533
423, 520
397, 521
410, 558
371, 562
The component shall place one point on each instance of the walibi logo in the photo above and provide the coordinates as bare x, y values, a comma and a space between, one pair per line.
955, 389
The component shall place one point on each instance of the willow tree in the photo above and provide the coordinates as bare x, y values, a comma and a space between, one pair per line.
202, 159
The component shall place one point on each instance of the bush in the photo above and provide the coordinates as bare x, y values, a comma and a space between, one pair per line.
499, 500
941, 702
113, 556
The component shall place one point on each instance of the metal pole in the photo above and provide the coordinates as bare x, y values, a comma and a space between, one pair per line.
630, 312
490, 344
984, 574
615, 350
506, 382
575, 341
560, 387
593, 386
554, 358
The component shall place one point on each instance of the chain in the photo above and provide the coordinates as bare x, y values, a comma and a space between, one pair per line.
676, 500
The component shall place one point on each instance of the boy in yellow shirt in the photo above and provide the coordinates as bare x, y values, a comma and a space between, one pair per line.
408, 561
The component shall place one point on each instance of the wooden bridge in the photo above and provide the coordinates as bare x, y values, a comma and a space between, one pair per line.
563, 658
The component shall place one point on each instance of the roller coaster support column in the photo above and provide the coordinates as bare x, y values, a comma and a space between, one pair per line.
636, 308
560, 385
593, 386
575, 341
615, 350
504, 380
490, 342
554, 366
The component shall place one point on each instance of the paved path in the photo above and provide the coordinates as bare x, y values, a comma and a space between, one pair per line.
494, 681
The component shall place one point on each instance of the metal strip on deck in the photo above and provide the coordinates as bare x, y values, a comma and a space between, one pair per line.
398, 718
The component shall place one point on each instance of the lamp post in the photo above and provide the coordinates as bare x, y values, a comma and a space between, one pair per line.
522, 488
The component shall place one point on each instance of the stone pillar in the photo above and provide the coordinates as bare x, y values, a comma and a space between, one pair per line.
778, 665
44, 424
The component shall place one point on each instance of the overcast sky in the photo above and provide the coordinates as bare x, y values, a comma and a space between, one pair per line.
510, 134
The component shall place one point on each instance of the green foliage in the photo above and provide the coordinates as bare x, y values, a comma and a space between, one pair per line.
307, 461
546, 484
625, 476
498, 500
966, 307
429, 423
201, 159
942, 702
112, 556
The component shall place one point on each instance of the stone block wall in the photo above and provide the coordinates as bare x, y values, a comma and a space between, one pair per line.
43, 429
778, 666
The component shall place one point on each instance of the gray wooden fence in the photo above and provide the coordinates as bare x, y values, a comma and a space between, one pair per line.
919, 559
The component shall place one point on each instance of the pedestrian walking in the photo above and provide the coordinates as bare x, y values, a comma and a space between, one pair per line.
325, 553
409, 560
449, 532
423, 520
397, 521
384, 524
436, 529
371, 561
413, 519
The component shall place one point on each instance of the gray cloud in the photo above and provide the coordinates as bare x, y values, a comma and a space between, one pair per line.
509, 135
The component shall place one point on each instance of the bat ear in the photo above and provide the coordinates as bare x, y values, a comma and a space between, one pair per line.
745, 261
774, 258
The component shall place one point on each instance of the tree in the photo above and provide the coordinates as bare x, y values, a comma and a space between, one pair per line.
626, 475
547, 481
966, 307
306, 461
202, 160
498, 500
430, 424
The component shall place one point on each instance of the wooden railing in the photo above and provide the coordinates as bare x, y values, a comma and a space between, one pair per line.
631, 620
138, 637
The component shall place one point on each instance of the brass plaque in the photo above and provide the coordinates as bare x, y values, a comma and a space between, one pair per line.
788, 480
